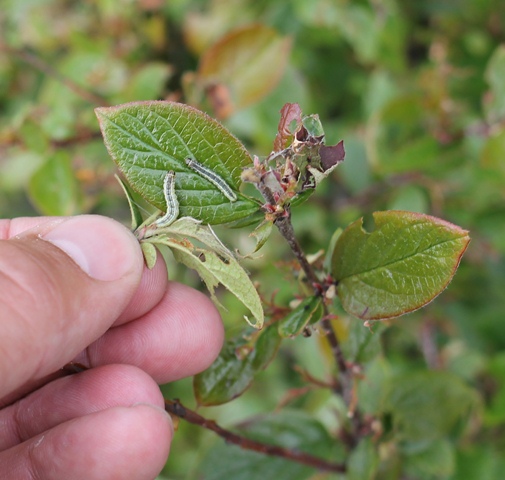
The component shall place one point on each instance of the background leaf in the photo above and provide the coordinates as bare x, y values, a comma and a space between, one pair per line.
237, 58
363, 461
426, 406
147, 139
54, 188
405, 262
290, 429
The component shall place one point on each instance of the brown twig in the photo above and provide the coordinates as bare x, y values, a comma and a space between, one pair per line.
285, 228
428, 345
176, 408
345, 384
336, 350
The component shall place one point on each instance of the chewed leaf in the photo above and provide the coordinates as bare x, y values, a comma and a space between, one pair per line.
148, 139
403, 264
262, 233
213, 261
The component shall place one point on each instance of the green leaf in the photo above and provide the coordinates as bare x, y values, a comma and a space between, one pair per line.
401, 266
235, 60
266, 348
148, 82
233, 371
295, 322
54, 189
262, 233
150, 254
214, 262
481, 461
363, 344
331, 247
494, 75
134, 208
313, 125
147, 139
435, 460
297, 431
374, 389
426, 406
363, 461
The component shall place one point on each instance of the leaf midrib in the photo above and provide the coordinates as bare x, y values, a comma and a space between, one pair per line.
400, 260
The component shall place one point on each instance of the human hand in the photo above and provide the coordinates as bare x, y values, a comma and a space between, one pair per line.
130, 325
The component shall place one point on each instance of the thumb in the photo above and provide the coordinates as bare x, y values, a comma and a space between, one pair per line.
62, 285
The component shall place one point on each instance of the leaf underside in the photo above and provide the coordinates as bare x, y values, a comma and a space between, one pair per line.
196, 246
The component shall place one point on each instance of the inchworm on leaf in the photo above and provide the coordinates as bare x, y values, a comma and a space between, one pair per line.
171, 200
213, 178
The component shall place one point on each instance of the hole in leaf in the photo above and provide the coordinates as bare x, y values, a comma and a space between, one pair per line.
368, 223
224, 260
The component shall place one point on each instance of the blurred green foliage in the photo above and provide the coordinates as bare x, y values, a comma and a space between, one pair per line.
416, 90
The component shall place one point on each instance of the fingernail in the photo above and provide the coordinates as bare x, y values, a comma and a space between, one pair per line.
102, 248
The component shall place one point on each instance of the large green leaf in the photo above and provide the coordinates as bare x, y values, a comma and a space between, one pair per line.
426, 406
147, 139
406, 261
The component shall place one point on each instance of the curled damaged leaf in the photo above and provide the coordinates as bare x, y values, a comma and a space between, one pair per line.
290, 113
299, 162
331, 156
196, 246
314, 160
403, 264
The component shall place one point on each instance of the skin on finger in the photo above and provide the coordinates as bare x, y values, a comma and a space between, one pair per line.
9, 228
47, 313
120, 443
180, 337
149, 293
74, 396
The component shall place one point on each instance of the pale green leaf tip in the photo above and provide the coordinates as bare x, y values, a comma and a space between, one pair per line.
150, 254
258, 325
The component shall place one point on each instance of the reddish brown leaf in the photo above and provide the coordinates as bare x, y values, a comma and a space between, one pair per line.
331, 155
289, 113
